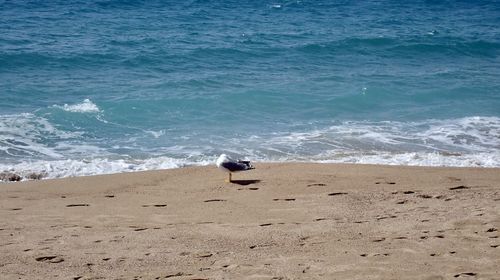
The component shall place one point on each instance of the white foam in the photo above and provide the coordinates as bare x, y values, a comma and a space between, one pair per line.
87, 106
419, 159
155, 134
464, 142
465, 135
22, 135
72, 168
28, 136
472, 133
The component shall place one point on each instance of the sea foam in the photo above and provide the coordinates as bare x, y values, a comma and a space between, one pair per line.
86, 167
32, 144
71, 168
87, 106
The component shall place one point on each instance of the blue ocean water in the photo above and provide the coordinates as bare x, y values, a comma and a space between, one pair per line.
91, 87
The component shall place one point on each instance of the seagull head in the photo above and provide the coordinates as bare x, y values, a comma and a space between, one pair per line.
222, 158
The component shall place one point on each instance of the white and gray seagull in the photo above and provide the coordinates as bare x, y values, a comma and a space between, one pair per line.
229, 165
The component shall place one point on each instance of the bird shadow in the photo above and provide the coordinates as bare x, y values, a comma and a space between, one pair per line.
245, 182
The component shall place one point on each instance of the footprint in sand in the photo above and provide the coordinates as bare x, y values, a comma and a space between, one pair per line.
465, 274
284, 199
203, 269
316, 185
459, 188
50, 259
109, 196
204, 223
214, 200
266, 225
178, 274
384, 254
454, 179
204, 255
385, 217
78, 205
337, 193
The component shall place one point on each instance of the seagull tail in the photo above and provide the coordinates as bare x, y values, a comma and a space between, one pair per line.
247, 163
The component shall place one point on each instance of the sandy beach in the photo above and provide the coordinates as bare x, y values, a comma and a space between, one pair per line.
279, 221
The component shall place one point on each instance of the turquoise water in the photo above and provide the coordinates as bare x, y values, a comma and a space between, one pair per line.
91, 87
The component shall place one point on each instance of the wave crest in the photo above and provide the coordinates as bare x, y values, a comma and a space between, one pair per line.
87, 106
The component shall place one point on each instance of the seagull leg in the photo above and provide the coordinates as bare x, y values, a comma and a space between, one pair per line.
229, 178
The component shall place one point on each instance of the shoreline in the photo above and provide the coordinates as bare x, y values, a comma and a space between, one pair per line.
12, 176
280, 220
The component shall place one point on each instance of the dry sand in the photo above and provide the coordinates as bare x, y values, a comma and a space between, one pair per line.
281, 221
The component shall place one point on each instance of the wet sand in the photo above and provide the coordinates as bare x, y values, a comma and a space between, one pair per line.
279, 221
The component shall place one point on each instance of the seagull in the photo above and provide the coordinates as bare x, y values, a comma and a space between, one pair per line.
229, 165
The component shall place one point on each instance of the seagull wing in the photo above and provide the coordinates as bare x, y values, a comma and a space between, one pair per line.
236, 166
247, 163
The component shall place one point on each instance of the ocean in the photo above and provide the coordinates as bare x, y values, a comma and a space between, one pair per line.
95, 87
